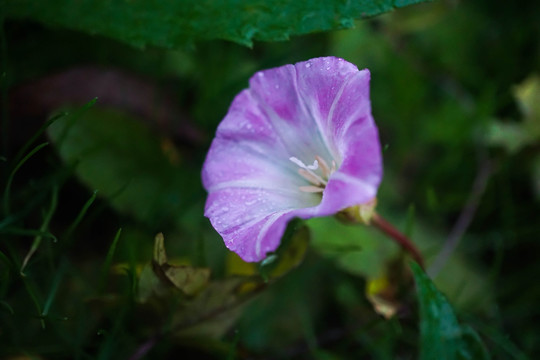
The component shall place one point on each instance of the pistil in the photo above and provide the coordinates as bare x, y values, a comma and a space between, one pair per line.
318, 183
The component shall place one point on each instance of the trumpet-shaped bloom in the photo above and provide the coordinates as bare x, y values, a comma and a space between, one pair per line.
299, 142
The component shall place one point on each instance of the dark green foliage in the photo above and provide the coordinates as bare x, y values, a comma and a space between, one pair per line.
173, 23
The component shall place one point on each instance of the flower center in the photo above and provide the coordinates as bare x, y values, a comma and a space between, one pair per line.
316, 174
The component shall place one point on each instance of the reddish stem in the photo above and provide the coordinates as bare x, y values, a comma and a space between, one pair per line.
389, 229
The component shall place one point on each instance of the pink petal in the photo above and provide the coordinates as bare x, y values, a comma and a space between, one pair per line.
252, 221
316, 108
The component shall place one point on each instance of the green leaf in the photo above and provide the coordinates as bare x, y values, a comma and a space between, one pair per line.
126, 162
441, 336
356, 249
172, 23
290, 253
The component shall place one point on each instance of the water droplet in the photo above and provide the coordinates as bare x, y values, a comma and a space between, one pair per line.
260, 74
328, 68
308, 64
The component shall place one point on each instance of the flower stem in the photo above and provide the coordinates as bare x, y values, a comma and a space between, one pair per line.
383, 225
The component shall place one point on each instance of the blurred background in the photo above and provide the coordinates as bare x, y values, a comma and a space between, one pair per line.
103, 139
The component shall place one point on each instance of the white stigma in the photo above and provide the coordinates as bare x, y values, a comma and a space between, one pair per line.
299, 162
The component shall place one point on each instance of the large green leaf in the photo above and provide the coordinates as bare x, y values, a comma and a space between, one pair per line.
139, 172
441, 336
172, 23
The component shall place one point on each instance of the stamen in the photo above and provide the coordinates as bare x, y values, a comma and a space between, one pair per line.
311, 189
312, 178
324, 166
318, 183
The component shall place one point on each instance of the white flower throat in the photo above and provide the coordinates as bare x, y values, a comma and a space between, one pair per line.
317, 174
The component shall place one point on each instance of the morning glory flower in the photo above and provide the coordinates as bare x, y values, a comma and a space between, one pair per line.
299, 142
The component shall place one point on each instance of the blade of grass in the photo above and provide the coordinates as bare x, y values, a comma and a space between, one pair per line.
54, 288
37, 134
108, 260
7, 220
33, 295
80, 216
28, 232
96, 211
42, 192
14, 171
106, 350
12, 218
8, 307
44, 226
30, 289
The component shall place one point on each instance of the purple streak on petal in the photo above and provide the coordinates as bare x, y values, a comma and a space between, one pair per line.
356, 142
245, 122
351, 106
276, 93
362, 154
321, 83
246, 148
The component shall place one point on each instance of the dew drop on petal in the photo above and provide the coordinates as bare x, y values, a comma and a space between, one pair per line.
308, 64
